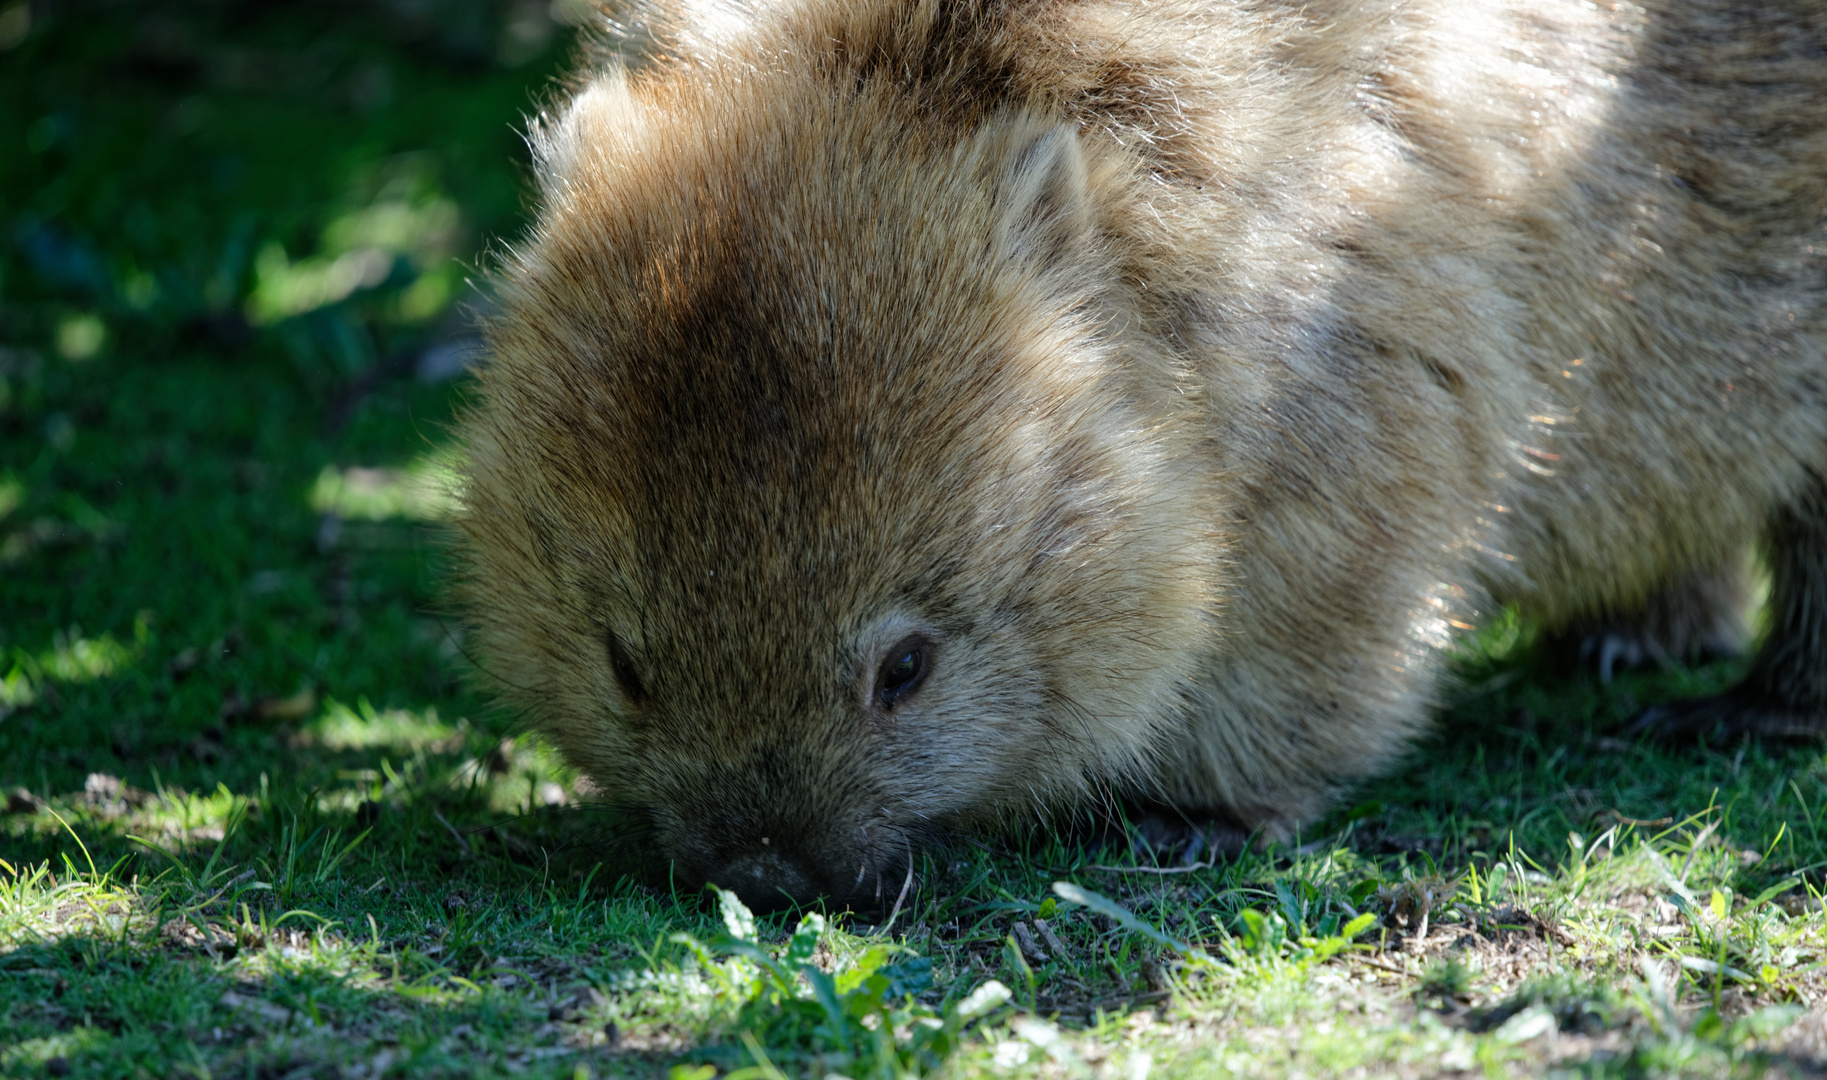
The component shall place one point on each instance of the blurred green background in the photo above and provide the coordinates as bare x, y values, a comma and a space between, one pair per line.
238, 242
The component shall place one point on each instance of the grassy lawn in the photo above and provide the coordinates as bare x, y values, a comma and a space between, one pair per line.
256, 825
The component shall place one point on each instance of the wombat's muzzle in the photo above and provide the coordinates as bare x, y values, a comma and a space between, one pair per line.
777, 875
774, 861
768, 881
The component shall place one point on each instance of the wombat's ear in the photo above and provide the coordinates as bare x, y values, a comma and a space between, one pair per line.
603, 120
1044, 207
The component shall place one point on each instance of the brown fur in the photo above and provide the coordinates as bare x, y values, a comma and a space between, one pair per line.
1177, 375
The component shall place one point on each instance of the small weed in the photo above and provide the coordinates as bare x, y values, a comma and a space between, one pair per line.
863, 1018
1445, 982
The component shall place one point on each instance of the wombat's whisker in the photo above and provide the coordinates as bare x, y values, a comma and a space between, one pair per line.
901, 897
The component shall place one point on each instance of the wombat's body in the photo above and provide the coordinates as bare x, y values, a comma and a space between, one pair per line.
909, 416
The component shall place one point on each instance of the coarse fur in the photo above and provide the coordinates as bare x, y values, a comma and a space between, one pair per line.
1159, 383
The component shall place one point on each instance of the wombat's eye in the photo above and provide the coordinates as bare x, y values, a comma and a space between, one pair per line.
625, 673
902, 671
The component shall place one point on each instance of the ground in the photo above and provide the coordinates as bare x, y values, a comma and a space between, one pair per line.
256, 824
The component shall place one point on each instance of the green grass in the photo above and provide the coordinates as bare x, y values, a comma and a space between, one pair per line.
256, 825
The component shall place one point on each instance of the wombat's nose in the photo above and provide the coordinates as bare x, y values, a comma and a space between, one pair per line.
768, 881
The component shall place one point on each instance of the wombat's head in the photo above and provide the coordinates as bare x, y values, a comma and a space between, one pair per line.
817, 502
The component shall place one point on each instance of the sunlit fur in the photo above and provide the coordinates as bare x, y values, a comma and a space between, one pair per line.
1187, 372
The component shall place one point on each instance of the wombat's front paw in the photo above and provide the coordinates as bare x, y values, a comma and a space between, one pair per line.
1692, 618
1724, 718
1697, 617
1165, 835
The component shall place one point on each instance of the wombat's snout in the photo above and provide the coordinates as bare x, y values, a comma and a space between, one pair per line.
860, 868
768, 880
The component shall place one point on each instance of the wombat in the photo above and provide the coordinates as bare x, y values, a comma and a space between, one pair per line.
911, 417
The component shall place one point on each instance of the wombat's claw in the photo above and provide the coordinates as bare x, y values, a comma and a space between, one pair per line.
1725, 718
1615, 645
